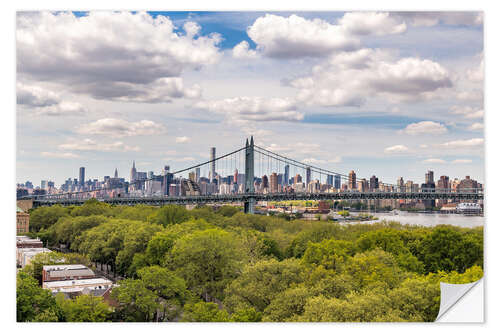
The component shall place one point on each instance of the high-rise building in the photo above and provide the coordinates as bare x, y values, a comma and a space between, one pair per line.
133, 173
297, 179
352, 180
235, 179
363, 185
273, 182
151, 174
308, 175
192, 176
166, 170
400, 185
373, 183
43, 184
443, 183
116, 172
265, 182
286, 175
429, 177
197, 171
81, 180
336, 182
329, 180
212, 164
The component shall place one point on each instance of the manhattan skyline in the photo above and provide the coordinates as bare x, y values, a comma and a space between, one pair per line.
389, 94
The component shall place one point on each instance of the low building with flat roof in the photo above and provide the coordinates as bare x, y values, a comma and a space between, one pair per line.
25, 241
71, 288
66, 272
26, 254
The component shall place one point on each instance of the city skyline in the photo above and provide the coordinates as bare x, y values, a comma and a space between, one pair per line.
421, 108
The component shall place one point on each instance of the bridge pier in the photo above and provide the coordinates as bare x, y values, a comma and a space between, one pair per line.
249, 176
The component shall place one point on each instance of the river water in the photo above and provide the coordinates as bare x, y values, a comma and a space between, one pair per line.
431, 219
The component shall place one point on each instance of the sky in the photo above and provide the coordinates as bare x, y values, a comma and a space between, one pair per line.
391, 94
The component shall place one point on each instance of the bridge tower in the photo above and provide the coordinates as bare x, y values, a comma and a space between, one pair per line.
249, 176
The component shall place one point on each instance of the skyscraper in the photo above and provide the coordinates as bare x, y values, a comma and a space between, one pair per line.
273, 182
133, 173
352, 180
373, 183
429, 177
265, 182
116, 172
197, 171
337, 182
308, 175
329, 180
212, 165
287, 174
401, 185
81, 180
235, 180
297, 179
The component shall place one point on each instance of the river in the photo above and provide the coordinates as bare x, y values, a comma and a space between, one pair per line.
431, 219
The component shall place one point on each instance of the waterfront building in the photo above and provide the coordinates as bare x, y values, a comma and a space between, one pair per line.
352, 180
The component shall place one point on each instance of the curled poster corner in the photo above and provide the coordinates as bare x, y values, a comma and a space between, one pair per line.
452, 295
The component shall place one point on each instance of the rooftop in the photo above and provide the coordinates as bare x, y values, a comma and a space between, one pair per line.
76, 283
62, 267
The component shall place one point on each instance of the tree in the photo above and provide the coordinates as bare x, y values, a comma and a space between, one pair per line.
289, 304
92, 207
34, 303
227, 211
260, 282
161, 243
207, 260
247, 315
44, 217
170, 289
447, 249
330, 253
204, 312
84, 308
169, 214
136, 301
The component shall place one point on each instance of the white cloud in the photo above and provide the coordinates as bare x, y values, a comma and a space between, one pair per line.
476, 127
425, 127
477, 74
371, 23
91, 145
111, 55
58, 155
468, 112
45, 102
295, 37
434, 161
396, 149
471, 143
464, 161
182, 139
121, 128
347, 79
314, 161
242, 51
254, 108
428, 19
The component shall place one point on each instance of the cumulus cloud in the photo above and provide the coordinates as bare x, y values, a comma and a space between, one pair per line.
254, 108
434, 161
425, 127
121, 128
348, 78
45, 102
467, 112
59, 155
295, 37
476, 127
34, 96
428, 19
471, 143
396, 149
91, 145
111, 55
243, 51
460, 161
314, 161
182, 139
477, 74
372, 23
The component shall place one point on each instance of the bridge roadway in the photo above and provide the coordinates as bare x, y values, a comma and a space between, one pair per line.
210, 199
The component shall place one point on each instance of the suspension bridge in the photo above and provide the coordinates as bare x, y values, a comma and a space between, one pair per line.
271, 184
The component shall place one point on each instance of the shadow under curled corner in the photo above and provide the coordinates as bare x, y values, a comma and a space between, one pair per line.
462, 302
